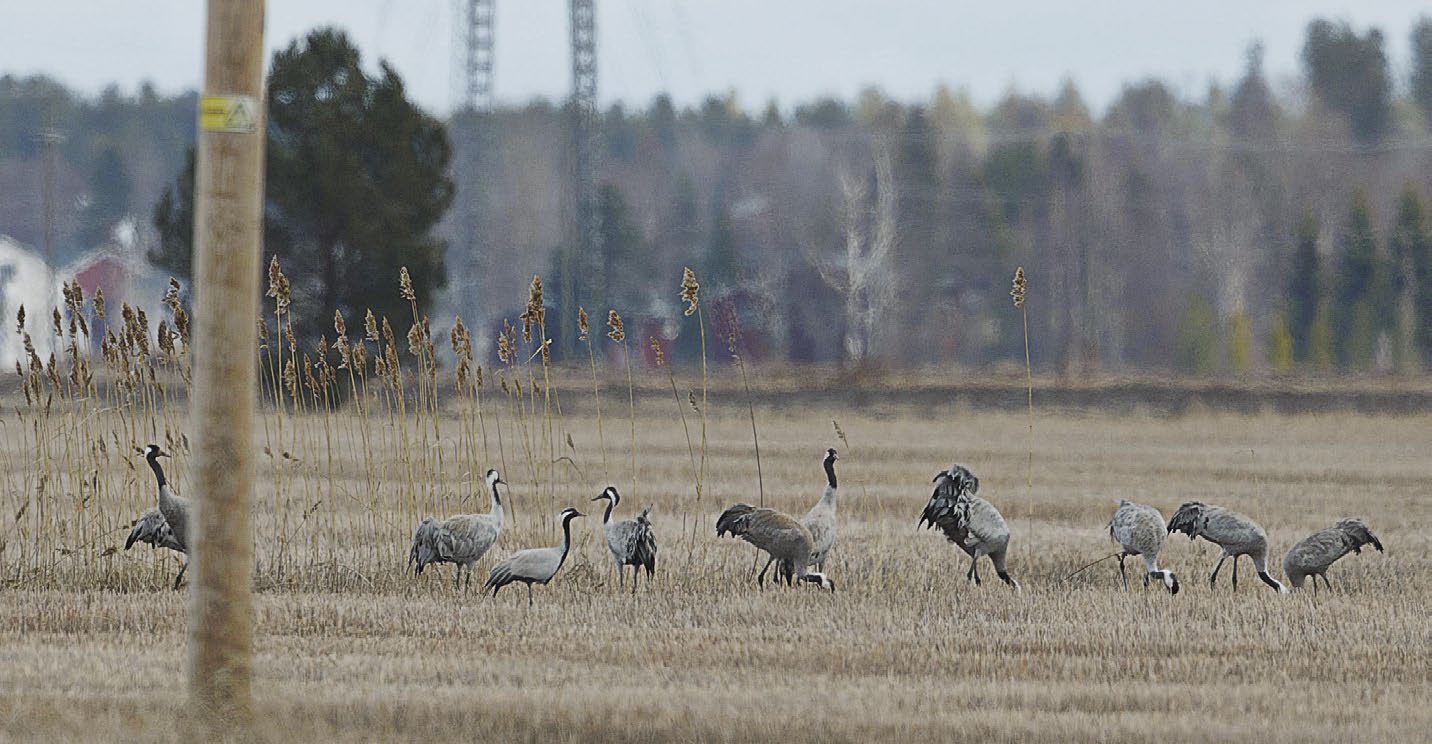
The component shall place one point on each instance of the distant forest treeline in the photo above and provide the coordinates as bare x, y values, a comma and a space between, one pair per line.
1248, 230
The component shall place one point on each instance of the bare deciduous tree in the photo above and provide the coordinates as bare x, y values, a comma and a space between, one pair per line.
863, 276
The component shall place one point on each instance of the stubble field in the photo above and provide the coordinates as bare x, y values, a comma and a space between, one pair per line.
352, 647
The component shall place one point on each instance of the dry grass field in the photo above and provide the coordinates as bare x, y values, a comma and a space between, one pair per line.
362, 438
352, 647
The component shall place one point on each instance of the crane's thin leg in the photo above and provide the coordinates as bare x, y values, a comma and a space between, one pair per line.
762, 578
975, 569
1270, 581
1214, 578
1235, 573
1121, 571
180, 577
529, 594
998, 560
466, 585
456, 576
635, 576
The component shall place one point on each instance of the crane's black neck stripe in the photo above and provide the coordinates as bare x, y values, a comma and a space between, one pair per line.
830, 470
153, 458
607, 516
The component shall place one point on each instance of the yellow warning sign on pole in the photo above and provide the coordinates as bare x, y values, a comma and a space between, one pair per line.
228, 114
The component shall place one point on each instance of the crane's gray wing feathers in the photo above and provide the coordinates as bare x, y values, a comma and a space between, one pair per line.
152, 528
431, 544
1234, 532
468, 537
770, 530
1358, 534
1137, 528
176, 512
947, 510
533, 564
1189, 519
1314, 553
984, 523
642, 543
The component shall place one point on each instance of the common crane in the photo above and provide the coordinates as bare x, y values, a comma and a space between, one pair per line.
1318, 551
631, 541
820, 520
1140, 530
462, 539
151, 528
1235, 533
782, 538
533, 565
969, 521
174, 509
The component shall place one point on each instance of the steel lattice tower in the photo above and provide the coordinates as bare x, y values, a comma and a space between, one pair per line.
581, 264
474, 53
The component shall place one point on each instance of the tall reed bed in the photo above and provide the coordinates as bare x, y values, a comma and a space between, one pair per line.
363, 432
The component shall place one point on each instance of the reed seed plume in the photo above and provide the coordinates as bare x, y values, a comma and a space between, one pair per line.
370, 327
689, 290
618, 331
618, 334
278, 288
405, 285
171, 295
536, 312
504, 347
690, 294
1017, 293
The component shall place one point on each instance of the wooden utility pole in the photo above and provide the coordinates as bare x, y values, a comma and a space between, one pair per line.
228, 201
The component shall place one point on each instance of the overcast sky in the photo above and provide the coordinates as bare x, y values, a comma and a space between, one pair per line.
790, 51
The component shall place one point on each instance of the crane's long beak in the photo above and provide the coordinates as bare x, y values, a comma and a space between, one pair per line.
599, 498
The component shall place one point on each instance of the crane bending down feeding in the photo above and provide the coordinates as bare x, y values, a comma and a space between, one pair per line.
152, 528
1140, 530
462, 539
631, 541
784, 539
1235, 533
533, 565
969, 521
820, 521
168, 525
1318, 551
